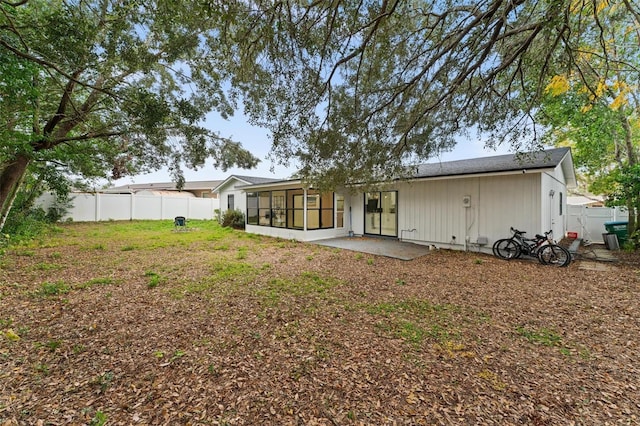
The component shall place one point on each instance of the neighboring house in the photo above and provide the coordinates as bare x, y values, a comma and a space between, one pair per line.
231, 194
585, 200
459, 204
200, 189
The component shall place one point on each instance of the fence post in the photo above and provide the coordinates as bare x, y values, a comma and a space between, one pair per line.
132, 206
97, 207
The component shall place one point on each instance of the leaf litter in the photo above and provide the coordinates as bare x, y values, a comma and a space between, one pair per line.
292, 333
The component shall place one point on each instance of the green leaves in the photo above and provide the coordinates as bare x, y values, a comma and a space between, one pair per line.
107, 89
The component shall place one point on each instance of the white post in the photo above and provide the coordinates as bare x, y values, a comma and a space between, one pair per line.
97, 207
132, 210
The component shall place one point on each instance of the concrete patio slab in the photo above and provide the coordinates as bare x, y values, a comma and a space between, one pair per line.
378, 246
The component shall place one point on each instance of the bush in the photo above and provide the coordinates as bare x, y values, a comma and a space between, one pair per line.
233, 218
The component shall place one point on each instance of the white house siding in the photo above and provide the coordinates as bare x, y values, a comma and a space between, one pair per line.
432, 211
552, 186
239, 196
509, 201
296, 234
356, 215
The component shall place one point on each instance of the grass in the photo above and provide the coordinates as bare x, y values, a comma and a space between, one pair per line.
224, 277
44, 266
542, 336
153, 279
416, 321
53, 289
307, 284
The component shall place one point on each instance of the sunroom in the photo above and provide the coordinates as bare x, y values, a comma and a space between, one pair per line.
288, 209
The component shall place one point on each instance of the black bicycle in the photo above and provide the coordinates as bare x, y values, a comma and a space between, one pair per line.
541, 247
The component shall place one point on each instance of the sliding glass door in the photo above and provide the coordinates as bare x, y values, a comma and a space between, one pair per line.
380, 213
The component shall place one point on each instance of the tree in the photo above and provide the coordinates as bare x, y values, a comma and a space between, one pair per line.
102, 87
595, 108
355, 90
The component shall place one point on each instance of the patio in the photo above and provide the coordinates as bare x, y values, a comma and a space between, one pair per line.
379, 246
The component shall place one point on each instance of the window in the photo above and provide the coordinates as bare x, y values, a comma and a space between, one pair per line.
286, 209
319, 210
295, 208
230, 203
278, 209
252, 208
339, 211
264, 208
560, 198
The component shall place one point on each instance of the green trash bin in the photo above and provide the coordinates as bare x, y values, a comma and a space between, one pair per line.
620, 228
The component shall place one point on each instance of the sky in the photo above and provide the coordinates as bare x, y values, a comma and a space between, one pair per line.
257, 141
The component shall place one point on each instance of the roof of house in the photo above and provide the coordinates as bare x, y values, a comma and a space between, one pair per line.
247, 180
585, 200
509, 163
166, 186
501, 163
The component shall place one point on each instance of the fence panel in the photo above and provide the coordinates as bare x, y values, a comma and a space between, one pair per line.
589, 222
114, 207
90, 207
148, 207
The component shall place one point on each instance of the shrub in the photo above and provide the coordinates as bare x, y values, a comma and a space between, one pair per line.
233, 218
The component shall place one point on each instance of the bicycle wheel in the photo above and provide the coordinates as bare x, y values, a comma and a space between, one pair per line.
554, 255
506, 249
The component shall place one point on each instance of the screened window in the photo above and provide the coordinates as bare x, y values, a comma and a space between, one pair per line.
286, 209
230, 202
339, 211
319, 210
264, 208
279, 209
295, 208
252, 208
560, 210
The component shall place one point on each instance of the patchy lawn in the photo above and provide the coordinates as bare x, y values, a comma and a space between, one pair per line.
132, 323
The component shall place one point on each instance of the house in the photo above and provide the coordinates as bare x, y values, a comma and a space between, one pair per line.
200, 189
459, 204
231, 193
586, 200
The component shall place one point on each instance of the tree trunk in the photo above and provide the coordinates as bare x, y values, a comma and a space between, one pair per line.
11, 177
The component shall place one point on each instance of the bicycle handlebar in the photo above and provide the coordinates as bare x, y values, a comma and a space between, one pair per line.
546, 234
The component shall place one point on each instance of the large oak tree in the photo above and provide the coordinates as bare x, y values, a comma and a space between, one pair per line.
352, 90
356, 89
108, 87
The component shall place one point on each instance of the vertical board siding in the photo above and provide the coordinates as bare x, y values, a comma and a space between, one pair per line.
435, 209
510, 201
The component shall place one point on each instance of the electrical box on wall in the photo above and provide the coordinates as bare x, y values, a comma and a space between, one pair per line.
466, 201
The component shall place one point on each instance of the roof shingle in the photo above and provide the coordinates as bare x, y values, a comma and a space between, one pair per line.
502, 163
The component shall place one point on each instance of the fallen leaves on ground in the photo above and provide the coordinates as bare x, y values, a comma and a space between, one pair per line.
272, 332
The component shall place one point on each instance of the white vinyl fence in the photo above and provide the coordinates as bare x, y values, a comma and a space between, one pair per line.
95, 207
588, 222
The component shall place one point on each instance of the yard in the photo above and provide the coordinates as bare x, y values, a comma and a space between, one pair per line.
133, 323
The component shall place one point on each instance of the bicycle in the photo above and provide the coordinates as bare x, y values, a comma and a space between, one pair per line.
542, 247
